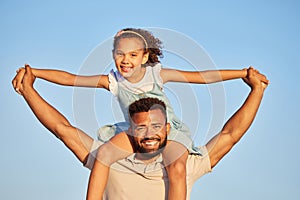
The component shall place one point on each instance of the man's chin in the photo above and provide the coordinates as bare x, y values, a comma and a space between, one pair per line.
151, 153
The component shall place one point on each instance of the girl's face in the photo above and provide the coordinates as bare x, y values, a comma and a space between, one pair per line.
129, 56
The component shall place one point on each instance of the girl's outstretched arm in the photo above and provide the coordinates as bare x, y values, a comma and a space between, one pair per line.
68, 79
201, 77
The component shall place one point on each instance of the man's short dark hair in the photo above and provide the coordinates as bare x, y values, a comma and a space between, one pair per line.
147, 104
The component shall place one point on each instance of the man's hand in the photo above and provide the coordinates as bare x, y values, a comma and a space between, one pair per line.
256, 80
23, 80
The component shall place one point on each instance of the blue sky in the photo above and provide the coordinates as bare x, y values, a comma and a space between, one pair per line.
234, 34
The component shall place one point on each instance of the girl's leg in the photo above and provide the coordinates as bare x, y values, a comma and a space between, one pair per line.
175, 157
117, 148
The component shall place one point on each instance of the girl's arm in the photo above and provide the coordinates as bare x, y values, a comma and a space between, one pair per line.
201, 77
68, 79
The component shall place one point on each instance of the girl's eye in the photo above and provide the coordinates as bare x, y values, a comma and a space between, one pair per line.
133, 55
119, 53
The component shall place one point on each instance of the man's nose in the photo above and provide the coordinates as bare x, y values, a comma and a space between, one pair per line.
149, 132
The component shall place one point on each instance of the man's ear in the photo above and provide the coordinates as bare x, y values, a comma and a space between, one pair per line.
129, 131
145, 57
168, 128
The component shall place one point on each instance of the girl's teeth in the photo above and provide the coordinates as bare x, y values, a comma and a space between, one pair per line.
126, 69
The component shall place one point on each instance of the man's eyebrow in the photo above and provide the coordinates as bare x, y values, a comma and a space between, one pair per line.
135, 124
157, 123
143, 125
140, 125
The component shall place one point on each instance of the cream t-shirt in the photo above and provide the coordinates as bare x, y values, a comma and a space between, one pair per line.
131, 179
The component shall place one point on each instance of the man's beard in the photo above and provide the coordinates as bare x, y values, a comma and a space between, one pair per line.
146, 154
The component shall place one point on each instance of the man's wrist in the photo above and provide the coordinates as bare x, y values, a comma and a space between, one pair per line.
258, 89
28, 90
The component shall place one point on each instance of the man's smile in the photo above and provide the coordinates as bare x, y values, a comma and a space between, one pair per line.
150, 142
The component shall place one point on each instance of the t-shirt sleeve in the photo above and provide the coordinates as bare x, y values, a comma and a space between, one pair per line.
156, 71
113, 85
92, 155
198, 165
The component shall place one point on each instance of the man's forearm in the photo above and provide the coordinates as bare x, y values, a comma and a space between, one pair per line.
235, 128
239, 123
45, 113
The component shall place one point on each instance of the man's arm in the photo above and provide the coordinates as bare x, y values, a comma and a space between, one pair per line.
239, 123
76, 140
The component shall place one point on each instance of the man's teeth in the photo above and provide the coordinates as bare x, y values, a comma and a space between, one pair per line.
151, 143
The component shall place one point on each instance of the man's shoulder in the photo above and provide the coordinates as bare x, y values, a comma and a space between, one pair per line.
198, 165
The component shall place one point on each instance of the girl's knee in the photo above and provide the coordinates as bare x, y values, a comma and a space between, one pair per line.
109, 153
105, 154
122, 141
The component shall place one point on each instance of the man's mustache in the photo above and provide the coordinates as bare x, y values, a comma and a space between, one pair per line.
151, 138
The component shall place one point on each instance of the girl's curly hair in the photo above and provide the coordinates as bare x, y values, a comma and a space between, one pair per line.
153, 46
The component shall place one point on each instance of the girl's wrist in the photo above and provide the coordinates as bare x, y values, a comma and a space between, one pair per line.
35, 72
244, 72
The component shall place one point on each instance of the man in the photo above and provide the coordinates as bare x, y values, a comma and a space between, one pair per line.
141, 175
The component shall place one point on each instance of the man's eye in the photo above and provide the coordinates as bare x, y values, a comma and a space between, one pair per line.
140, 129
157, 127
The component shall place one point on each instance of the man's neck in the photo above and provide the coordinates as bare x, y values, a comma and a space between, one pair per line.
146, 159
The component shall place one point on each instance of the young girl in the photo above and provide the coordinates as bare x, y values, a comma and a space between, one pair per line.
139, 74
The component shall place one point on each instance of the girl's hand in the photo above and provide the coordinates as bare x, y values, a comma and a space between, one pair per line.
28, 78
